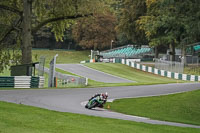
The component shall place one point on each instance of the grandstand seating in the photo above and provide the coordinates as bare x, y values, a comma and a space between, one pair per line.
127, 51
197, 47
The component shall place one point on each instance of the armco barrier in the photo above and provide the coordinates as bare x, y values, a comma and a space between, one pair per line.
164, 73
22, 82
7, 82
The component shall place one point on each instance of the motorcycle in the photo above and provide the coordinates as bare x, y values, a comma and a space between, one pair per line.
95, 102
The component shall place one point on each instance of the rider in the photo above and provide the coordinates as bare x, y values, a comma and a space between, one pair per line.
103, 97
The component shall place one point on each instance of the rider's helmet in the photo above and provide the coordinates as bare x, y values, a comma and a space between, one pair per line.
104, 95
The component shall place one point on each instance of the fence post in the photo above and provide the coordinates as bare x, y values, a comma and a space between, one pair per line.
52, 71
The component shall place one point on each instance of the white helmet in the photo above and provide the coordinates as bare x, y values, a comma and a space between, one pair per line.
105, 95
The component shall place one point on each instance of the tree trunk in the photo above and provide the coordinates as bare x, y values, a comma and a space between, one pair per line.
26, 33
172, 52
156, 52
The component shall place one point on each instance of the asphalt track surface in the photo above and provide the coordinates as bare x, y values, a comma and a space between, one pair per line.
73, 100
90, 73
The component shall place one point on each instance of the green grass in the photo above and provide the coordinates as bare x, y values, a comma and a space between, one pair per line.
25, 119
66, 72
192, 70
130, 73
183, 107
64, 57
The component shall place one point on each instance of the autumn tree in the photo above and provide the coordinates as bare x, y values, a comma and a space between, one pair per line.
171, 22
95, 32
20, 19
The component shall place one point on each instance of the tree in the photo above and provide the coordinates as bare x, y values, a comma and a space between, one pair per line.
23, 18
130, 12
95, 32
170, 22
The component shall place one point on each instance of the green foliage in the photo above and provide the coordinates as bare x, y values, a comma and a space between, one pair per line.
95, 32
45, 10
58, 15
8, 57
130, 12
170, 21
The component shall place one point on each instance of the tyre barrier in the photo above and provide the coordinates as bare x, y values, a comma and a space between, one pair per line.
21, 82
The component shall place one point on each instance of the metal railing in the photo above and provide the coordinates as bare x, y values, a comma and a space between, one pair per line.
65, 80
171, 66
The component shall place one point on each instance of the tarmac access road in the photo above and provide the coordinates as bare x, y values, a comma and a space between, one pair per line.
73, 100
93, 74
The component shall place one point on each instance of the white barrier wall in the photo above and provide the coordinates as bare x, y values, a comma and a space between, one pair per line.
28, 82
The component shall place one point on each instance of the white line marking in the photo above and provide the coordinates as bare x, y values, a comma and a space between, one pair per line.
107, 73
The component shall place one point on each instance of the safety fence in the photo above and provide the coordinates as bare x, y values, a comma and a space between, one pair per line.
66, 80
171, 66
164, 73
21, 82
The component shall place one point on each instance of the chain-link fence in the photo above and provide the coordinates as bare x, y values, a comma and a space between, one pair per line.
171, 66
41, 66
64, 80
193, 60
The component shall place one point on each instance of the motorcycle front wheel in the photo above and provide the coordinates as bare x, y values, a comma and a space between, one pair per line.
93, 105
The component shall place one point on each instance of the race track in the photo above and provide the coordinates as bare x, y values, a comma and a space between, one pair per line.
90, 73
72, 100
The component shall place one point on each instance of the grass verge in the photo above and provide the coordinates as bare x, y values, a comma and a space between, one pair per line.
64, 57
183, 107
16, 118
192, 70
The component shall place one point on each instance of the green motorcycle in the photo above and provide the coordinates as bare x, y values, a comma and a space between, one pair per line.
95, 102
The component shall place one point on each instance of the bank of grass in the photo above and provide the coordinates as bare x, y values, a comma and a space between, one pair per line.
192, 70
16, 118
64, 57
66, 72
182, 108
130, 73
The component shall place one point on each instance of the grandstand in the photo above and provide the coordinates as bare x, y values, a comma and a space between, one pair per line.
128, 51
196, 48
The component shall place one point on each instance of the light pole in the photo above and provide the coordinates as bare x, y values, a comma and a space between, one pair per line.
111, 44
